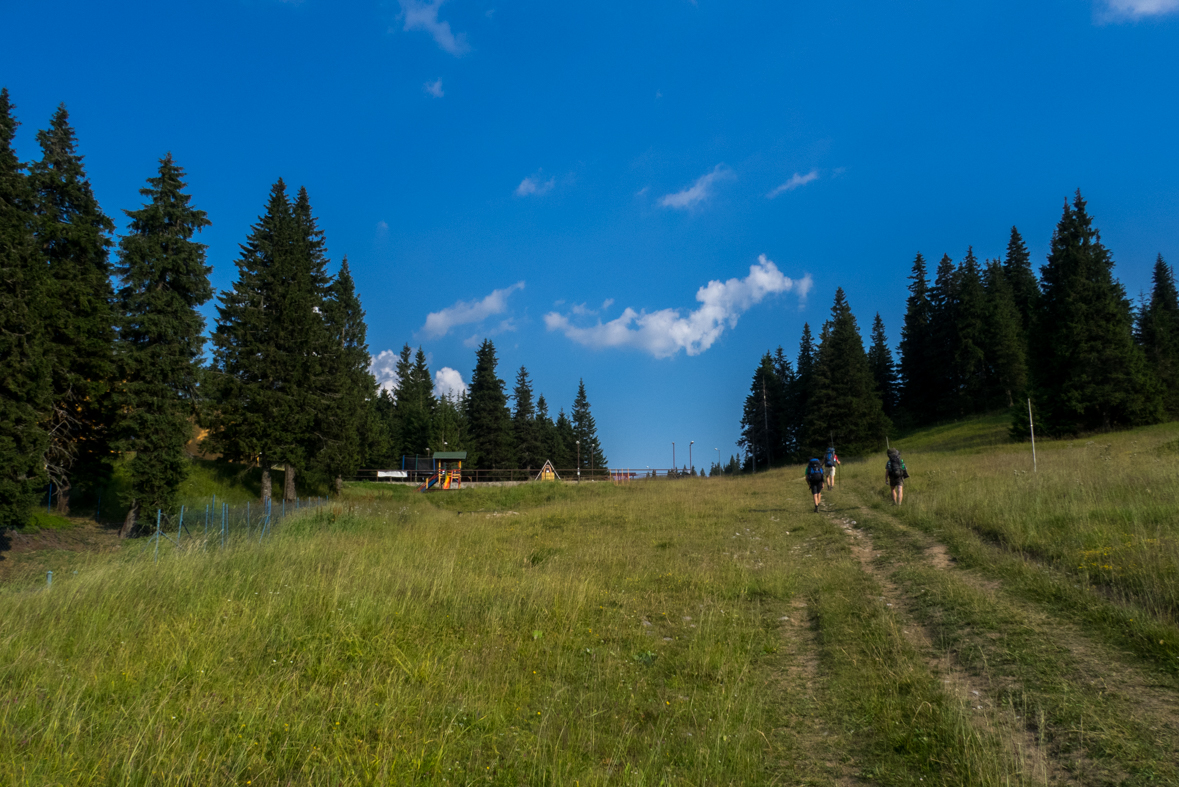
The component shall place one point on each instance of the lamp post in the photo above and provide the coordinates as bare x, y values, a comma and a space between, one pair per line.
591, 467
673, 454
690, 463
578, 460
720, 470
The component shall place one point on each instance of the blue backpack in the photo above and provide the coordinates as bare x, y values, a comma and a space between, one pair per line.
830, 457
814, 472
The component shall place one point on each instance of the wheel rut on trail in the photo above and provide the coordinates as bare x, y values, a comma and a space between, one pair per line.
1146, 698
988, 713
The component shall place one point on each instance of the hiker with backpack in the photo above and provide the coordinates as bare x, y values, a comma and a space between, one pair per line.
829, 464
895, 475
814, 479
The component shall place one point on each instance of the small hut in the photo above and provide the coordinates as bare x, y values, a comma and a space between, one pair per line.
547, 473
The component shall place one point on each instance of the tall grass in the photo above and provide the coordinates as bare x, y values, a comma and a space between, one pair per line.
1104, 509
392, 639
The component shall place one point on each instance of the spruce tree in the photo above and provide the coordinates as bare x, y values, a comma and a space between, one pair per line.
942, 341
160, 338
585, 429
1006, 349
1025, 290
488, 419
448, 424
528, 447
1158, 332
846, 407
763, 415
566, 442
789, 417
415, 402
349, 386
546, 433
1087, 372
970, 362
25, 383
800, 392
916, 372
401, 405
257, 414
883, 368
73, 237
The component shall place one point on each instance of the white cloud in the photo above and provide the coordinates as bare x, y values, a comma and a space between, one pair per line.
448, 383
666, 332
698, 191
434, 88
465, 312
383, 366
795, 181
421, 15
382, 226
534, 185
1136, 9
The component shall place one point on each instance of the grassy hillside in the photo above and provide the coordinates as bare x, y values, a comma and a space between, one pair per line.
694, 631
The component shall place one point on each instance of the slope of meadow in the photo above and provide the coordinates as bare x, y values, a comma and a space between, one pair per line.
696, 631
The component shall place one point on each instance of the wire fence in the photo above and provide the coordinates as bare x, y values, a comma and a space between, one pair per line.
522, 475
222, 525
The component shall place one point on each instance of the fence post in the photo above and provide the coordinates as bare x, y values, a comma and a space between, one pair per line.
1032, 427
224, 523
49, 579
157, 535
179, 527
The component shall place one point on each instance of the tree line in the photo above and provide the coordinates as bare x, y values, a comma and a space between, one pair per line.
980, 337
104, 362
497, 429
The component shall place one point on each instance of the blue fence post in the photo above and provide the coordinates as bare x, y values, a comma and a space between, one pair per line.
247, 517
157, 535
179, 527
224, 523
49, 579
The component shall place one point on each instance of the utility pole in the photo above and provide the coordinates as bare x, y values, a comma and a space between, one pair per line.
691, 464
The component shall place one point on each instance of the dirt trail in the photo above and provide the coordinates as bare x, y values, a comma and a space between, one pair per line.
21, 552
987, 712
1148, 698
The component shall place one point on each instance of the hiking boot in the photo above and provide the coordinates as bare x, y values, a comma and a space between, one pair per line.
816, 508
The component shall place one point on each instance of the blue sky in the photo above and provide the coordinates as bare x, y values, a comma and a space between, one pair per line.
569, 178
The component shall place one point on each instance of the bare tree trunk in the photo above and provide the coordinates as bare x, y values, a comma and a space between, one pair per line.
288, 482
63, 498
266, 487
129, 522
339, 486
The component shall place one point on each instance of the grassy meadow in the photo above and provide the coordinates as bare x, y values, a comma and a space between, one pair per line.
693, 631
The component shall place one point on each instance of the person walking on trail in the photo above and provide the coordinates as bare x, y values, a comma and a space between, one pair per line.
829, 465
814, 479
895, 475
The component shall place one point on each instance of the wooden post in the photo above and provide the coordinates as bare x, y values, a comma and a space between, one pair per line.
1032, 427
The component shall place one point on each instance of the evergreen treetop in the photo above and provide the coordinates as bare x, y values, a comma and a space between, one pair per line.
585, 429
488, 419
883, 368
160, 338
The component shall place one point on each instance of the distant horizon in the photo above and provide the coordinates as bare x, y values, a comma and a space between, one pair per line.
644, 198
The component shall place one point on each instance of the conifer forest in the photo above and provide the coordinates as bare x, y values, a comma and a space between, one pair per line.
982, 336
105, 359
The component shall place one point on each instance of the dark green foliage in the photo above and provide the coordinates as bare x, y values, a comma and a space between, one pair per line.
565, 442
525, 429
917, 378
1025, 290
790, 416
25, 383
343, 416
969, 334
884, 371
488, 420
1158, 333
1087, 372
1005, 345
164, 280
448, 426
767, 418
415, 402
804, 370
585, 429
265, 346
941, 342
72, 235
845, 406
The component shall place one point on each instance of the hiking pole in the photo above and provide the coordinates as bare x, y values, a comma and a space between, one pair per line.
1032, 427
